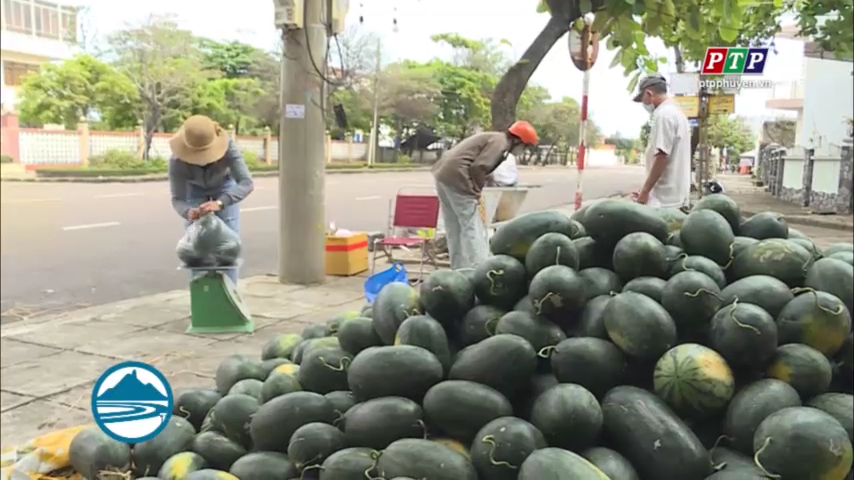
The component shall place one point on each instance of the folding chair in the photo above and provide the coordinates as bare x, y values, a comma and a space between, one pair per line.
410, 212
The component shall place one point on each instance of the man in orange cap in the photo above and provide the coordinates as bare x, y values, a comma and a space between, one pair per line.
461, 173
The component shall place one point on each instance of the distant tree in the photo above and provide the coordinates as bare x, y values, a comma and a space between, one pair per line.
781, 132
163, 62
830, 23
408, 97
80, 87
730, 135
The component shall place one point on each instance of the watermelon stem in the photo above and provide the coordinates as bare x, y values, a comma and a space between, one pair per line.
184, 411
759, 464
742, 325
557, 256
489, 276
375, 456
835, 313
498, 463
703, 290
110, 474
546, 352
487, 323
721, 465
342, 365
311, 467
538, 304
423, 429
731, 256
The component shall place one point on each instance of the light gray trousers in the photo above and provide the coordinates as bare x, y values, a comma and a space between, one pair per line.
465, 227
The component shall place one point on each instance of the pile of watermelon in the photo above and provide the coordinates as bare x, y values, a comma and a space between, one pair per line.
623, 343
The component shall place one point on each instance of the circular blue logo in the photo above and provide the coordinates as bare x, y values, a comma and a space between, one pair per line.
132, 402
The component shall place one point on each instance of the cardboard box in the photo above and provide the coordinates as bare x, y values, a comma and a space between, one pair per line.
346, 256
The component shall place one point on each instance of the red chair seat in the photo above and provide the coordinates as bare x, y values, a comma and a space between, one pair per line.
400, 242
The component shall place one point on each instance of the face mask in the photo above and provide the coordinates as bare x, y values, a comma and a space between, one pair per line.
649, 107
518, 150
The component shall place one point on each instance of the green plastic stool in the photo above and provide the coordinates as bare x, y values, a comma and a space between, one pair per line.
215, 305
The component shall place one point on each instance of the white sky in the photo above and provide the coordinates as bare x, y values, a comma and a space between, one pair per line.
251, 21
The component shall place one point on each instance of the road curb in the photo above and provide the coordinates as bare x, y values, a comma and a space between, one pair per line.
808, 222
160, 178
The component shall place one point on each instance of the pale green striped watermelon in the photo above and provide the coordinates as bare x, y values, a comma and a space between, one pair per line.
694, 380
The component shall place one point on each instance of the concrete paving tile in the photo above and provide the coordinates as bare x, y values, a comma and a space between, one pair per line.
71, 335
249, 345
9, 400
13, 351
201, 363
278, 307
325, 296
53, 374
152, 314
38, 418
147, 345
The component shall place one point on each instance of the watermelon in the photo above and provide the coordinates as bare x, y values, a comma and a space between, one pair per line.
313, 443
271, 364
92, 452
652, 287
280, 346
692, 299
764, 291
551, 249
558, 464
500, 281
744, 334
415, 458
610, 220
847, 257
723, 205
578, 215
817, 319
845, 359
263, 466
313, 344
248, 386
774, 257
515, 237
795, 233
557, 292
461, 408
538, 331
803, 443
646, 431
503, 362
275, 422
210, 474
674, 239
765, 225
802, 367
394, 304
592, 253
639, 254
324, 370
639, 326
367, 311
500, 447
537, 386
707, 233
694, 263
234, 369
178, 466
612, 464
230, 416
733, 465
839, 406
194, 405
525, 305
425, 332
334, 325
453, 445
694, 380
600, 281
569, 416
149, 456
349, 464
835, 248
740, 243
279, 383
578, 230
479, 324
835, 277
378, 422
358, 334
809, 246
447, 296
591, 323
218, 450
674, 218
402, 370
342, 400
593, 363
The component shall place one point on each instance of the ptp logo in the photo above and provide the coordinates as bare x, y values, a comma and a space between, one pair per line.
734, 60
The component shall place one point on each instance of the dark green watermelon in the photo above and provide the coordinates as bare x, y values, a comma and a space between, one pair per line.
395, 303
324, 370
538, 331
591, 322
501, 281
816, 319
557, 292
674, 218
461, 408
358, 334
313, 443
264, 466
724, 205
612, 464
447, 295
500, 447
378, 422
425, 332
525, 305
744, 334
551, 249
804, 368
809, 245
707, 233
401, 370
569, 416
764, 291
593, 363
600, 281
774, 257
652, 287
835, 277
503, 362
640, 254
639, 326
702, 265
349, 464
479, 324
592, 254
515, 237
610, 220
765, 225
691, 298
839, 406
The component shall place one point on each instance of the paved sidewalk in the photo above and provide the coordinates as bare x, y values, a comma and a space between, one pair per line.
49, 365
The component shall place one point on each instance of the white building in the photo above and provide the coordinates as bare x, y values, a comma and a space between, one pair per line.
823, 97
34, 32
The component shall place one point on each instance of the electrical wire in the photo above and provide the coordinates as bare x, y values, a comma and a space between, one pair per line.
308, 48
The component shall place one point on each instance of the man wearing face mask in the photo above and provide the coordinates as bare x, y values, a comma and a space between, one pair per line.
668, 150
461, 173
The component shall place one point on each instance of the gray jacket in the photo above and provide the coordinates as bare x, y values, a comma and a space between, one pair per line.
191, 182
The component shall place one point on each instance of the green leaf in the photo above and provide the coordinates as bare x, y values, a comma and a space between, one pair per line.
633, 82
600, 20
618, 58
585, 6
662, 60
542, 7
630, 2
727, 33
629, 59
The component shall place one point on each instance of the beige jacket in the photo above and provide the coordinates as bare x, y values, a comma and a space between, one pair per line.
464, 168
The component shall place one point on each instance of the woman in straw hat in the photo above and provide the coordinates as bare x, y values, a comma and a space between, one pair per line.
207, 174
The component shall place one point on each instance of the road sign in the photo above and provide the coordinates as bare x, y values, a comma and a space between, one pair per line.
690, 105
721, 104
583, 48
734, 60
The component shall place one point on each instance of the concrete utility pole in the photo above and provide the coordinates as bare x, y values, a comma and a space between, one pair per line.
302, 224
375, 129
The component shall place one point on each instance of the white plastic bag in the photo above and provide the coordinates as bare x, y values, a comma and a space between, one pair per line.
209, 242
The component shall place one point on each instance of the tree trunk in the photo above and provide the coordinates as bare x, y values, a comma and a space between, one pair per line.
680, 62
513, 83
151, 123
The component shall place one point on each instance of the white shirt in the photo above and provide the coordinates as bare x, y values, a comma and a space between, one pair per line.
670, 133
506, 173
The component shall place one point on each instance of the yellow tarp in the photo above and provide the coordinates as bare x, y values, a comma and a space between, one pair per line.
40, 457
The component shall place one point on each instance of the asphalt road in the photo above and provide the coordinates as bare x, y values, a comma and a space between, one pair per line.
67, 245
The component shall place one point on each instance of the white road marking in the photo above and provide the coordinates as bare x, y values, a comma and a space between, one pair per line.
370, 197
119, 195
91, 225
29, 200
257, 209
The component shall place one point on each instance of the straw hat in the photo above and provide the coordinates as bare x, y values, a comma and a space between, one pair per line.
199, 141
